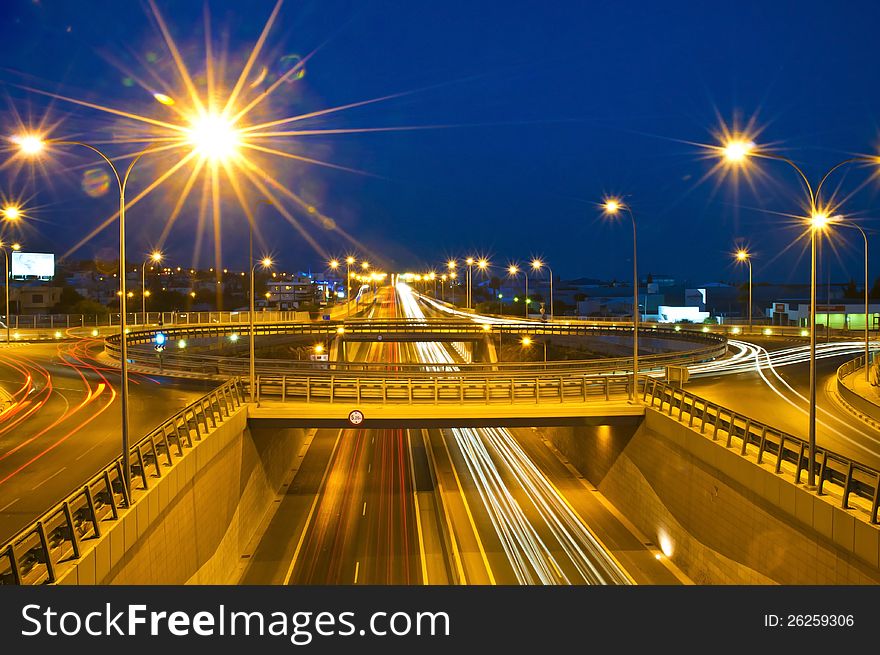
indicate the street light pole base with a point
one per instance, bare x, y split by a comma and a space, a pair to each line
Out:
811, 487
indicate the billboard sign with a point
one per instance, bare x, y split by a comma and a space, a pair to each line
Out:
33, 264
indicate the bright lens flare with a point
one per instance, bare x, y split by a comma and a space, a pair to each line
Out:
267, 262
612, 206
819, 220
742, 255
29, 144
11, 213
213, 137
736, 151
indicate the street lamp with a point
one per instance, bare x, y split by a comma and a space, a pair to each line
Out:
334, 266
527, 343
743, 255
4, 247
156, 257
470, 263
737, 151
483, 265
512, 271
537, 265
443, 279
266, 263
33, 145
348, 263
867, 342
612, 207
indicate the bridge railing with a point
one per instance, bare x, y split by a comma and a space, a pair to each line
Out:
34, 554
856, 485
444, 388
710, 347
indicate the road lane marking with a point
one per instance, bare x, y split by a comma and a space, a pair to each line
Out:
364, 512
456, 555
311, 513
49, 478
415, 493
467, 510
8, 505
88, 450
357, 568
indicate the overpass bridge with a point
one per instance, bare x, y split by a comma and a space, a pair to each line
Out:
560, 393
68, 536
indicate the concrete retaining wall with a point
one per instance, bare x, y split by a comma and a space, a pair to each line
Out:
720, 517
194, 524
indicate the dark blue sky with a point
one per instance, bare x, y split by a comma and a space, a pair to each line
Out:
549, 105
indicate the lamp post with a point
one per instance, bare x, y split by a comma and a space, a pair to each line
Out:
450, 265
613, 206
348, 262
470, 263
11, 214
483, 265
527, 343
33, 145
443, 279
156, 257
867, 342
737, 151
265, 263
743, 255
3, 247
334, 266
513, 271
537, 265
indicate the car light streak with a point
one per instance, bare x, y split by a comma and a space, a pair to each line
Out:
503, 475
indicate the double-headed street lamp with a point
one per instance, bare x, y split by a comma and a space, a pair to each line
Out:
743, 255
154, 257
537, 265
737, 151
612, 207
266, 263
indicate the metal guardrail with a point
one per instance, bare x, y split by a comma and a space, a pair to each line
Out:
714, 346
32, 556
790, 455
444, 388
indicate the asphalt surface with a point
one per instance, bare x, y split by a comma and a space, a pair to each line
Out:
424, 507
66, 426
783, 401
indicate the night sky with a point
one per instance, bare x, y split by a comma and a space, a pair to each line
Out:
540, 108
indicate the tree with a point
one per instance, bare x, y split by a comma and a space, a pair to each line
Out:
495, 284
580, 297
875, 290
850, 290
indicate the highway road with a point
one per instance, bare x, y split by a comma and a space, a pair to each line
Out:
768, 380
65, 425
441, 506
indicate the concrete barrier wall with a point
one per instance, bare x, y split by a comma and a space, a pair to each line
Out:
721, 518
194, 524
855, 392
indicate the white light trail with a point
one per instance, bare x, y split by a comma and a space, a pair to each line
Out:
505, 478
